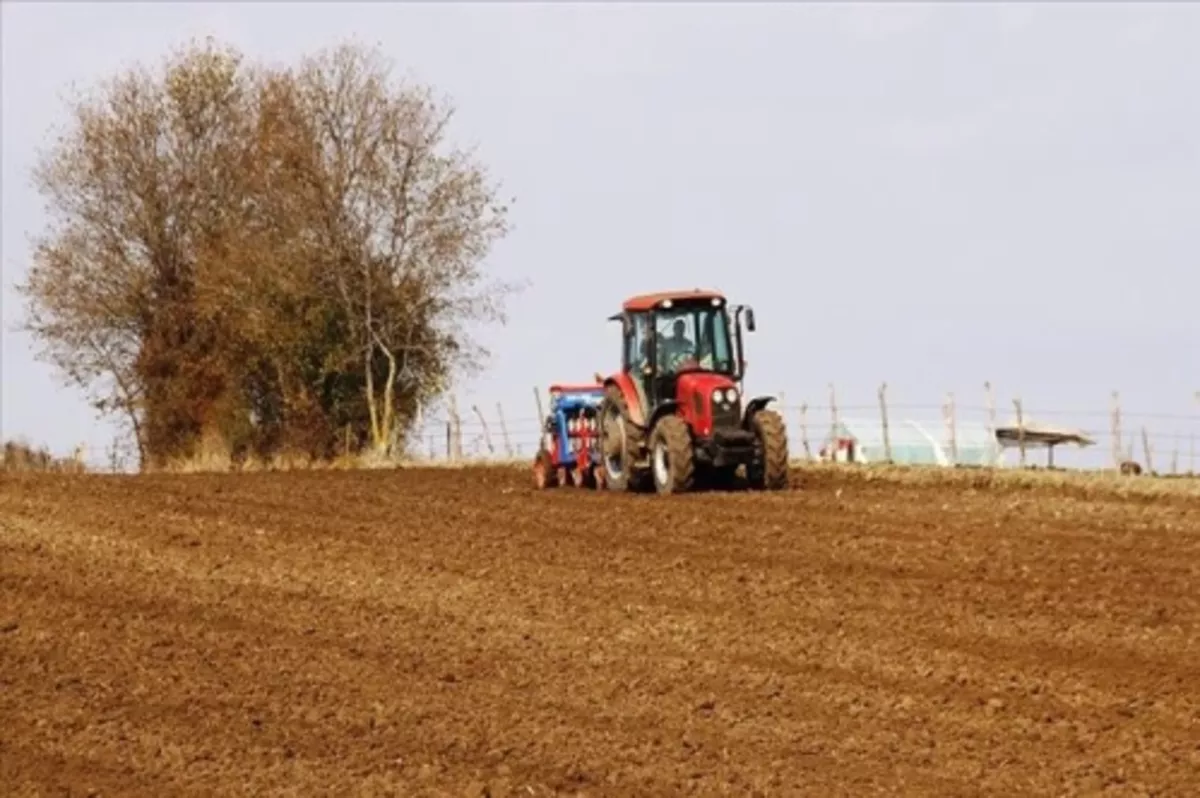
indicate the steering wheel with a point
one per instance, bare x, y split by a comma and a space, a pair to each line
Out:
684, 360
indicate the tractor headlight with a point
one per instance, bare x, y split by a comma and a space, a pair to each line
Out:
731, 395
718, 395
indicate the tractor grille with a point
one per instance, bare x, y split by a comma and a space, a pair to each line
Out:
726, 415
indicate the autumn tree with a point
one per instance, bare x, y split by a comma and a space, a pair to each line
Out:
262, 257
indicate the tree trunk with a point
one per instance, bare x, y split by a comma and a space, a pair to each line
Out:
372, 408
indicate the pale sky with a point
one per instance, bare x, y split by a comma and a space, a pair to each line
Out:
934, 196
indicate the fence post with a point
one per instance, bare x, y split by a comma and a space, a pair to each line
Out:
508, 449
1146, 450
457, 424
1116, 431
537, 397
487, 435
833, 428
1192, 446
804, 431
1020, 429
994, 451
883, 419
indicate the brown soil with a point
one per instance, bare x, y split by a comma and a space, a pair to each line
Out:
455, 633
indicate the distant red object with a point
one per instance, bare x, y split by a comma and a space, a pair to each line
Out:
576, 387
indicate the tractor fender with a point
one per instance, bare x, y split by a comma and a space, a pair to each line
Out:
753, 406
667, 407
624, 384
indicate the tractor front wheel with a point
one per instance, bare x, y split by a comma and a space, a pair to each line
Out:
671, 456
769, 470
618, 442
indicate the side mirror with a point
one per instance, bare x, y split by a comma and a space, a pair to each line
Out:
750, 319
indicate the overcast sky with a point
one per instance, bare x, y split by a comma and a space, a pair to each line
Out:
929, 195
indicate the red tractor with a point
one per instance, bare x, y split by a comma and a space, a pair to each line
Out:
674, 417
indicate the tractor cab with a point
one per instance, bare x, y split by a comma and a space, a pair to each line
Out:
682, 369
669, 335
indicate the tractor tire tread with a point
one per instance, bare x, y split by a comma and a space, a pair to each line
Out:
673, 432
631, 479
769, 427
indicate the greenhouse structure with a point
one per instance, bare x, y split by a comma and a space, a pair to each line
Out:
915, 443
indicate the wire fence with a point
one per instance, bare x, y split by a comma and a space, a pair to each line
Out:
945, 433
1162, 442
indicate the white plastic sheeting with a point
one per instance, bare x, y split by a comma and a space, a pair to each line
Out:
919, 443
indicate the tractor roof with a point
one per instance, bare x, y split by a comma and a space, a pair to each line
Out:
650, 301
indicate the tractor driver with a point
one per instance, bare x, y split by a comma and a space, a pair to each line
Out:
677, 347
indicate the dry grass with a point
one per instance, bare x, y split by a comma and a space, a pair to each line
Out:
20, 455
213, 463
1085, 482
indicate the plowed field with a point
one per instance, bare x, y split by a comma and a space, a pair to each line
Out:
455, 633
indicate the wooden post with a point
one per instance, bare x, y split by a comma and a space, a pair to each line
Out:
833, 424
346, 443
457, 422
952, 428
537, 397
487, 436
883, 420
1146, 450
508, 449
1118, 455
1020, 429
541, 420
1175, 458
991, 411
804, 431
990, 403
1192, 446
449, 441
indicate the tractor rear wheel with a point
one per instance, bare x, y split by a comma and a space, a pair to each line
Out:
672, 456
619, 442
769, 469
